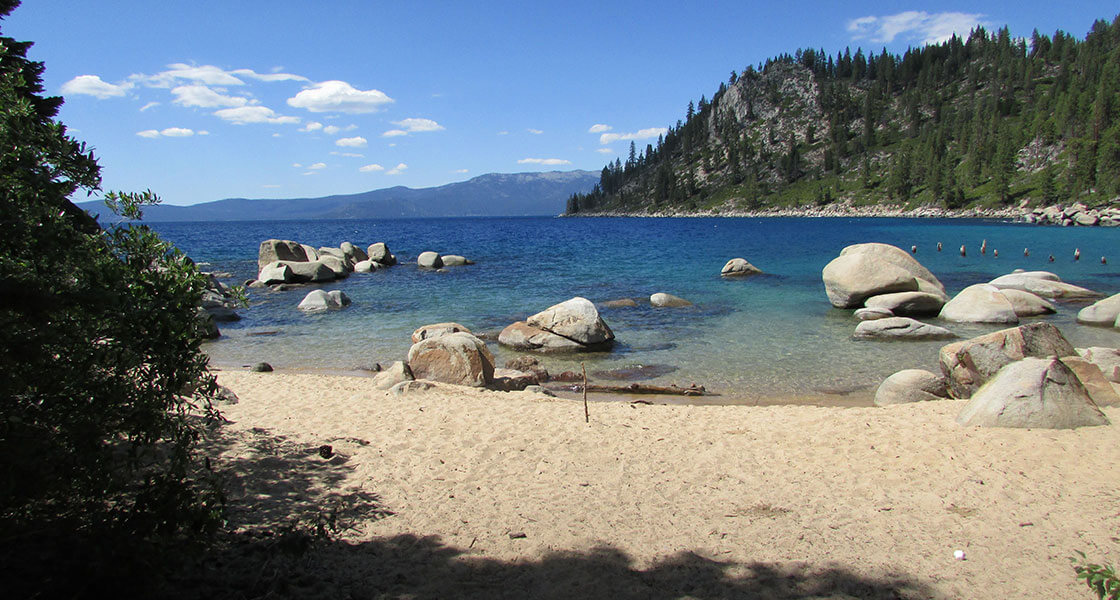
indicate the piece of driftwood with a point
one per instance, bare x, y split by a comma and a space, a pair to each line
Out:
637, 388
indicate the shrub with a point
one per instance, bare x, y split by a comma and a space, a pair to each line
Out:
103, 387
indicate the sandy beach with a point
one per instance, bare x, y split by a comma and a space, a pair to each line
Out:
456, 492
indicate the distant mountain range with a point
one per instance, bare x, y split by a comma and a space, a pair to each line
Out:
491, 195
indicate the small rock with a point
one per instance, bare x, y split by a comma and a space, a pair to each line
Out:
663, 300
901, 328
620, 303
739, 267
871, 314
261, 367
429, 260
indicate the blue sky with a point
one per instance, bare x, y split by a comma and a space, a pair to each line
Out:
212, 99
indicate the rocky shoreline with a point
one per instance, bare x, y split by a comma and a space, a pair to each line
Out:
1073, 215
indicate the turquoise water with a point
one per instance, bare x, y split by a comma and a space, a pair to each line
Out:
759, 339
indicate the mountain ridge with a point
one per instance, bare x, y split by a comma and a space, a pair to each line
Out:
491, 194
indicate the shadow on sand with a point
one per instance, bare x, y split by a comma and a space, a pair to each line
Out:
287, 506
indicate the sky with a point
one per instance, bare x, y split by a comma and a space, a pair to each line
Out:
212, 99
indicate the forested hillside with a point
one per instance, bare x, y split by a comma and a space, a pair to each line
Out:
985, 122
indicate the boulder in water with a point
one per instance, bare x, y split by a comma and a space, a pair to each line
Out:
739, 267
575, 319
1102, 312
280, 250
663, 300
901, 328
980, 303
429, 260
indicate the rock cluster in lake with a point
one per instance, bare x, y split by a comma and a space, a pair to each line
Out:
286, 261
1075, 214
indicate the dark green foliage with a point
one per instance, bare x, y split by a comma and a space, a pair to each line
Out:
959, 123
1101, 579
103, 387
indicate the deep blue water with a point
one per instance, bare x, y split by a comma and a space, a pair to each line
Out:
773, 335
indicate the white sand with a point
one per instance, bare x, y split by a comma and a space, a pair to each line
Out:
883, 493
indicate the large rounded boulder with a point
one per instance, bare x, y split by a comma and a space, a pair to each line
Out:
969, 364
865, 270
458, 358
379, 253
572, 325
1037, 393
980, 303
1102, 312
911, 385
429, 260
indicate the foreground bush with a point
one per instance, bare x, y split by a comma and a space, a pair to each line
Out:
103, 388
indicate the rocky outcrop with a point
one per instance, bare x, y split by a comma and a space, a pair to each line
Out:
572, 325
437, 329
1037, 393
969, 364
1106, 359
1075, 214
458, 358
980, 303
739, 267
1102, 312
663, 300
911, 385
1044, 284
321, 301
279, 250
901, 328
865, 270
380, 254
429, 260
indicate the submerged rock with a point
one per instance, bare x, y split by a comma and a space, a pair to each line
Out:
620, 303
739, 267
1044, 284
454, 260
661, 299
901, 328
635, 372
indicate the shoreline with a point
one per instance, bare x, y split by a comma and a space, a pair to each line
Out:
459, 492
1057, 214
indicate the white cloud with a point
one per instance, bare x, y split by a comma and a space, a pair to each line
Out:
276, 76
371, 168
397, 170
544, 161
204, 97
169, 132
394, 133
348, 154
503, 133
412, 125
461, 171
317, 166
311, 126
311, 173
331, 129
641, 134
534, 131
276, 135
203, 132
599, 128
297, 165
148, 105
352, 142
253, 114
604, 150
914, 26
339, 96
92, 85
205, 74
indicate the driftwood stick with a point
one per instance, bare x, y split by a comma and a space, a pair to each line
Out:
586, 413
638, 388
